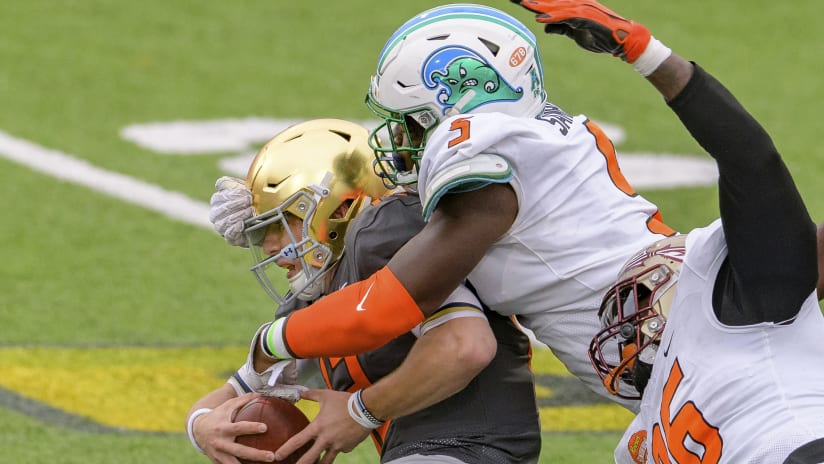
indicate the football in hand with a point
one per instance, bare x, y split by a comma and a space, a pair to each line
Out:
283, 420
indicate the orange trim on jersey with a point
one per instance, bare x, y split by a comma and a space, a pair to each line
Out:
607, 149
358, 318
356, 374
656, 225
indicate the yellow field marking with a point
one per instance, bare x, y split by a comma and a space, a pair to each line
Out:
151, 389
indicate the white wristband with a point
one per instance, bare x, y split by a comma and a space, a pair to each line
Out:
190, 424
360, 414
271, 341
653, 56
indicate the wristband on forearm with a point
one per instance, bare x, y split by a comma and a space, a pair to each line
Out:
359, 413
190, 427
652, 57
271, 341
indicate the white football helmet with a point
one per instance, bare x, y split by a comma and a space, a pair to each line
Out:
633, 314
308, 171
452, 59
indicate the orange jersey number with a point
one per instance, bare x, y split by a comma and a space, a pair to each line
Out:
461, 125
655, 224
670, 437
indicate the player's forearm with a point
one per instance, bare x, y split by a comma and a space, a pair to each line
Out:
213, 399
359, 318
754, 183
671, 76
441, 363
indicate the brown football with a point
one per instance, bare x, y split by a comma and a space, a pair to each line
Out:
283, 420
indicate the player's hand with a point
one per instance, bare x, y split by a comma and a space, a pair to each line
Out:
593, 26
230, 206
266, 375
215, 433
282, 382
333, 430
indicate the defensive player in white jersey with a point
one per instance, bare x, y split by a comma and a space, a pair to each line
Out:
717, 330
518, 194
316, 219
523, 198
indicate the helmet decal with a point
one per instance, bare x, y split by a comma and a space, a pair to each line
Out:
455, 11
673, 252
456, 70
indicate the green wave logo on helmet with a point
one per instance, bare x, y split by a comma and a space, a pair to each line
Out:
457, 72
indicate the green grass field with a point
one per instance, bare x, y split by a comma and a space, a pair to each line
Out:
116, 314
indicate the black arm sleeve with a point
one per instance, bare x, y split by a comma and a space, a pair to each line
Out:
772, 264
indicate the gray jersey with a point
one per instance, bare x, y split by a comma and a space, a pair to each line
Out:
494, 419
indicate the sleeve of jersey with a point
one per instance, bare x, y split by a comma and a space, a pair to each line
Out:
467, 153
461, 303
464, 176
358, 318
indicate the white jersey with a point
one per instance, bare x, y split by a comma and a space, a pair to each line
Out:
578, 222
748, 394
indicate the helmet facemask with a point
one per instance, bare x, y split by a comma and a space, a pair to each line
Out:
312, 257
398, 159
633, 317
307, 184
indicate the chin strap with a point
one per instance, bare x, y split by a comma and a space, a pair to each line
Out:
612, 381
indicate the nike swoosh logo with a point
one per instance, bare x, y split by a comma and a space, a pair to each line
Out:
363, 300
666, 351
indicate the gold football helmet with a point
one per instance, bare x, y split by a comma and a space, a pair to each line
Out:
309, 171
633, 314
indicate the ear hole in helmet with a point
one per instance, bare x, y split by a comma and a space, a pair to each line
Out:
493, 48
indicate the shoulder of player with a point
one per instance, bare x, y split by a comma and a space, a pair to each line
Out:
394, 208
382, 228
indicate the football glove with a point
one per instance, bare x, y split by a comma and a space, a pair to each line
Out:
230, 206
598, 29
279, 379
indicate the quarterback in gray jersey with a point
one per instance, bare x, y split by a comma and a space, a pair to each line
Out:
314, 219
493, 419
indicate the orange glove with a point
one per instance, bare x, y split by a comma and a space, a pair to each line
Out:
593, 26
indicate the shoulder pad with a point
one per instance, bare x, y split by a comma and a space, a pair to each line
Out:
464, 176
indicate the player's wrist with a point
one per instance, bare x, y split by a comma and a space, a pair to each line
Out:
271, 341
190, 425
360, 413
653, 55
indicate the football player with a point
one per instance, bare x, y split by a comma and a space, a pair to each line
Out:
520, 196
717, 329
525, 199
313, 222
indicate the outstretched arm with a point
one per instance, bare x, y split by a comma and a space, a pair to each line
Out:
764, 218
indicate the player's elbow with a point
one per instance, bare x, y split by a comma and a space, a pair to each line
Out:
480, 355
472, 353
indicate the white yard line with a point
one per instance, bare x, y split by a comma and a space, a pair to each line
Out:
66, 167
642, 170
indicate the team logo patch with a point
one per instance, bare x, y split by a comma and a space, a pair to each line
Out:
637, 446
455, 71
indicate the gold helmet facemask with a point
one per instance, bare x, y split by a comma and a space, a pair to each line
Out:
633, 314
307, 172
